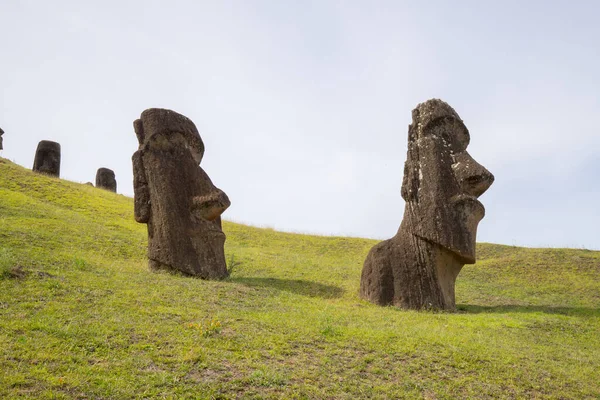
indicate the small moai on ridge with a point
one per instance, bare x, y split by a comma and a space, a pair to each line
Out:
176, 198
47, 158
1, 133
417, 268
105, 179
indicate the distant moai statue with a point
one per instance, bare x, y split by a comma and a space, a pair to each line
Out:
1, 133
176, 198
47, 158
417, 268
105, 179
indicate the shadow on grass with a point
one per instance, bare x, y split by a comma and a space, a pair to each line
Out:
579, 311
298, 286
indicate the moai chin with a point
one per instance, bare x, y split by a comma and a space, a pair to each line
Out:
105, 179
47, 158
417, 268
176, 198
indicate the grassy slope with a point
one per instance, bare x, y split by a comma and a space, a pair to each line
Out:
81, 316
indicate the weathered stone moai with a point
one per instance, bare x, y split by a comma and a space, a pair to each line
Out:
417, 268
47, 158
105, 179
1, 133
176, 198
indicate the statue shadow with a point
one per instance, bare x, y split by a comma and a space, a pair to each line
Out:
506, 309
297, 286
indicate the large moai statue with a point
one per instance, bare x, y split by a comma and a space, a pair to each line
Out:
105, 179
47, 158
176, 198
417, 268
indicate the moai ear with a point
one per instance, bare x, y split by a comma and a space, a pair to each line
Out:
138, 127
141, 192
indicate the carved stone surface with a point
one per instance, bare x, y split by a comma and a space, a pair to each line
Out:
176, 198
47, 158
1, 133
417, 268
105, 179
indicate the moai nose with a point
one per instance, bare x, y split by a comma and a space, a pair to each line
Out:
211, 206
473, 177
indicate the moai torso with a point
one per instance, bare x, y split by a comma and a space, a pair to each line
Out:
176, 198
418, 267
47, 158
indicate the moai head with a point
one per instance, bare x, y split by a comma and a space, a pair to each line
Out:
442, 181
176, 198
47, 158
1, 133
105, 179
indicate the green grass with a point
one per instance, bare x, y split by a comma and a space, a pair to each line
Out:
82, 317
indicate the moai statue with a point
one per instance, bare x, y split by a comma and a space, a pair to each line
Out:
47, 158
105, 179
1, 133
176, 198
417, 268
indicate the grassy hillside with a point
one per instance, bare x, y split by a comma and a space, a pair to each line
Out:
82, 317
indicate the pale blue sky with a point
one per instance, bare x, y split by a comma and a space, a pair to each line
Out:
304, 105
